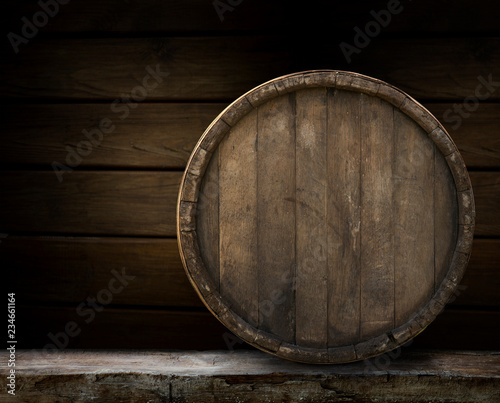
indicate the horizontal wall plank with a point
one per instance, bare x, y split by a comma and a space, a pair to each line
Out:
137, 328
223, 68
73, 269
118, 328
163, 135
476, 135
153, 136
200, 15
481, 281
486, 186
426, 68
89, 202
140, 203
211, 68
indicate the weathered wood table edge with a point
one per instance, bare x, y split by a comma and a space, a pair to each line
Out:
252, 376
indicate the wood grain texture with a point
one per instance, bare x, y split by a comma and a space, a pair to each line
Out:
486, 187
208, 219
343, 216
109, 69
135, 203
210, 376
445, 226
476, 136
276, 230
72, 269
377, 224
92, 202
163, 135
106, 69
238, 218
311, 237
400, 62
413, 204
159, 136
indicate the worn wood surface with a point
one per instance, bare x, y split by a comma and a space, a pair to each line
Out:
275, 158
173, 130
275, 254
344, 217
377, 299
159, 136
95, 202
77, 267
416, 376
226, 67
310, 170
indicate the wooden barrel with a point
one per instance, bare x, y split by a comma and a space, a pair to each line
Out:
325, 217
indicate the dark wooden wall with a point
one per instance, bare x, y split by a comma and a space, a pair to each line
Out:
62, 241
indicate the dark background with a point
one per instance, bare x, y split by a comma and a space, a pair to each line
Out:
61, 240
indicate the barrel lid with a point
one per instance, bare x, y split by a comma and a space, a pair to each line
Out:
325, 217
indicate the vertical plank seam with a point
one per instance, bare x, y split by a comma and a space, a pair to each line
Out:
326, 216
294, 278
218, 218
394, 157
361, 113
434, 214
257, 159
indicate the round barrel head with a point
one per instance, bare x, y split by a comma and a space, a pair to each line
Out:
325, 217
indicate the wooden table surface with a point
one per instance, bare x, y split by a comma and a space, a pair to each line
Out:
252, 376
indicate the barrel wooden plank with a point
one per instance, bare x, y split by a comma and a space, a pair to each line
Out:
413, 196
208, 221
311, 302
238, 218
276, 216
343, 215
445, 222
377, 224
